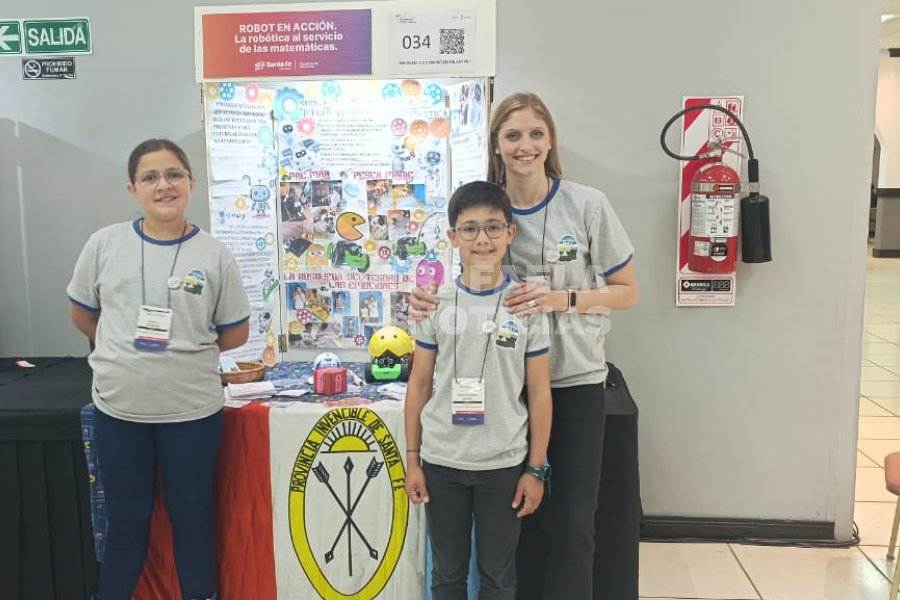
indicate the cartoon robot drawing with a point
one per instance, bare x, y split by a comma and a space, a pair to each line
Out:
402, 154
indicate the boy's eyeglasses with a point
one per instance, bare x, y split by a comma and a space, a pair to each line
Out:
173, 176
492, 230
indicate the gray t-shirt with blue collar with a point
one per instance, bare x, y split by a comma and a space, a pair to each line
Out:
574, 238
180, 383
490, 344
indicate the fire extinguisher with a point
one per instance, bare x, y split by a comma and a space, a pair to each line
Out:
713, 239
715, 189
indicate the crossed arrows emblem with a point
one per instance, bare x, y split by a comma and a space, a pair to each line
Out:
322, 474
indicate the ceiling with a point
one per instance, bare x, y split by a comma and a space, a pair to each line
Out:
890, 31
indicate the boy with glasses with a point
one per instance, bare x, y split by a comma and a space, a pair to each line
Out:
475, 449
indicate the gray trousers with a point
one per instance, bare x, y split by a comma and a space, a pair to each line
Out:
456, 498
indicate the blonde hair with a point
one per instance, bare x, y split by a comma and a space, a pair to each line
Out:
499, 116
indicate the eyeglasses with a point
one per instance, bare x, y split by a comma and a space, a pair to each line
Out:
173, 176
493, 230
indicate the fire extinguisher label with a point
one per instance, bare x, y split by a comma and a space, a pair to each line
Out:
701, 248
713, 216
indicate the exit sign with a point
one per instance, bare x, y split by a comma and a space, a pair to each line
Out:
10, 39
57, 36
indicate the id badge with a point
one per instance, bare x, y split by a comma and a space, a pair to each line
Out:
154, 328
467, 403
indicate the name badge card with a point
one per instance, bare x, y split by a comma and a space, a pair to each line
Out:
154, 328
467, 402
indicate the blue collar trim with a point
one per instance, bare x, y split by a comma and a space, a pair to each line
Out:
540, 205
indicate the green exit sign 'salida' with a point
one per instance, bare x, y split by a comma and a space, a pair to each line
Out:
57, 36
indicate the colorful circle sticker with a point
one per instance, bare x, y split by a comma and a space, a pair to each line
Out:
240, 203
418, 215
270, 238
304, 316
331, 89
251, 92
398, 126
370, 247
440, 127
260, 243
360, 340
435, 92
384, 253
312, 91
442, 245
212, 91
391, 90
295, 327
420, 128
306, 126
291, 264
287, 104
412, 227
265, 98
411, 87
270, 339
226, 91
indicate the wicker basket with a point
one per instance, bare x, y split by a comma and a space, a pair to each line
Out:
249, 371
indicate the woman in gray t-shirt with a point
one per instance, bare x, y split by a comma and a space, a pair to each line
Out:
573, 260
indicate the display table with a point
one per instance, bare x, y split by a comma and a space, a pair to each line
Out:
45, 544
309, 502
269, 452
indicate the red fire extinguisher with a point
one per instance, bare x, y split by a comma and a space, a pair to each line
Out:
716, 202
713, 241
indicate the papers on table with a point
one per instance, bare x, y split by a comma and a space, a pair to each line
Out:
256, 389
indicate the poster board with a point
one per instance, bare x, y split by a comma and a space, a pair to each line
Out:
331, 193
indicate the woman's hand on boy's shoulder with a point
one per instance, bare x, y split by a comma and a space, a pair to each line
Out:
421, 302
528, 496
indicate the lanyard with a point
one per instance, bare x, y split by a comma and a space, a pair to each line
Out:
543, 240
172, 270
488, 335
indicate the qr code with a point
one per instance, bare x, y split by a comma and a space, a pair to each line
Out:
453, 41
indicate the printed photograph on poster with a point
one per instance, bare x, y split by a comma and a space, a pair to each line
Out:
294, 200
378, 229
313, 335
327, 193
340, 304
350, 327
408, 196
370, 307
398, 224
471, 105
378, 196
400, 310
311, 303
323, 222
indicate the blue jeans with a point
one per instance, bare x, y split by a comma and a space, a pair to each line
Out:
128, 455
457, 496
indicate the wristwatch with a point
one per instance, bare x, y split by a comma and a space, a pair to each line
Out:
573, 299
542, 472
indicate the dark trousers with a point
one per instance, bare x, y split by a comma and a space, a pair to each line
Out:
555, 558
456, 496
128, 456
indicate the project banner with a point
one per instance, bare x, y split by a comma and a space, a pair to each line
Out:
286, 43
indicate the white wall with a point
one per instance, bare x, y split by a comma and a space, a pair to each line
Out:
746, 412
887, 119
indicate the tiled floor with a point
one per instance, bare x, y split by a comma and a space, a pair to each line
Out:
739, 572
